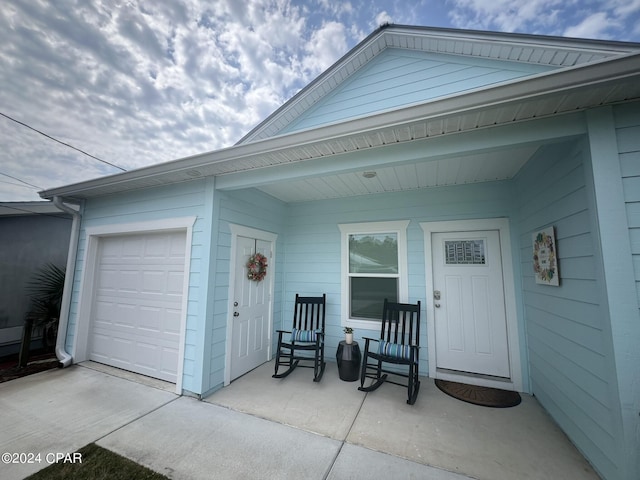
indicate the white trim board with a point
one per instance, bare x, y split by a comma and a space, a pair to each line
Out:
502, 225
87, 282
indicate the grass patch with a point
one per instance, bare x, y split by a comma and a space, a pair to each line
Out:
97, 464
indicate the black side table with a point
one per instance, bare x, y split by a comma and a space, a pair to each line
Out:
348, 357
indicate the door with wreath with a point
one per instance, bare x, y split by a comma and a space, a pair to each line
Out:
250, 323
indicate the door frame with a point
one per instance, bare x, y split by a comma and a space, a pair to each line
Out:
242, 231
513, 338
86, 295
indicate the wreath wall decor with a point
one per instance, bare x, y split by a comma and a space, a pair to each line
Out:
545, 259
257, 267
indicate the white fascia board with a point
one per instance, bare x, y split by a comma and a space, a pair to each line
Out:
606, 71
612, 47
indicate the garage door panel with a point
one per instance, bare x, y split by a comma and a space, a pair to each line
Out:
156, 357
150, 320
149, 281
156, 329
172, 321
107, 280
168, 361
154, 281
109, 347
127, 280
175, 282
131, 248
137, 306
124, 334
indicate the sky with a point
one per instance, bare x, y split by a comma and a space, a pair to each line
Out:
92, 88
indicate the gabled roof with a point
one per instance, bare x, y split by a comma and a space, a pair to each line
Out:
587, 73
555, 52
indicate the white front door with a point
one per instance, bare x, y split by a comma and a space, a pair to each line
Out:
469, 303
250, 335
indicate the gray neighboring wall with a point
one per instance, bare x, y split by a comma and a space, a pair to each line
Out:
32, 234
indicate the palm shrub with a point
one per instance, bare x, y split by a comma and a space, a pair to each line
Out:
45, 291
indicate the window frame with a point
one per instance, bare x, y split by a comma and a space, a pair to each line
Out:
399, 227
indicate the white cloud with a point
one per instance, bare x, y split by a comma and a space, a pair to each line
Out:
337, 9
592, 18
595, 25
506, 15
382, 18
143, 82
325, 46
624, 7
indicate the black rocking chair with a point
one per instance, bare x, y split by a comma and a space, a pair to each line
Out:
399, 344
307, 334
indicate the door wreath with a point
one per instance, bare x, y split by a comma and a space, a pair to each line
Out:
257, 267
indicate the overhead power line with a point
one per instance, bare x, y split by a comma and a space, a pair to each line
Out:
15, 184
21, 181
61, 142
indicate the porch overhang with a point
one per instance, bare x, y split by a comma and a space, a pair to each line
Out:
511, 103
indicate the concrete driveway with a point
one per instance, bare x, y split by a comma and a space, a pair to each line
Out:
60, 411
64, 410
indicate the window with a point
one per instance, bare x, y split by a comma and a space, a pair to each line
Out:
374, 265
464, 252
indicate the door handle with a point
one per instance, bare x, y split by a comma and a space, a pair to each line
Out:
437, 305
236, 314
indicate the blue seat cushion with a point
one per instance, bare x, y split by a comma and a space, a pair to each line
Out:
394, 350
304, 335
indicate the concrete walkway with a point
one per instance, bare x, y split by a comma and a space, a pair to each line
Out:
259, 428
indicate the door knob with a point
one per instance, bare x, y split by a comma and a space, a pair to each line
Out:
236, 314
235, 304
437, 305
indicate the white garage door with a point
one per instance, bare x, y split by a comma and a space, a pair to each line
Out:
138, 301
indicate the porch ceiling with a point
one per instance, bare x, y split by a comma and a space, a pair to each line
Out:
474, 168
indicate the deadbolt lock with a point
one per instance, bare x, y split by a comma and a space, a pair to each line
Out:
436, 294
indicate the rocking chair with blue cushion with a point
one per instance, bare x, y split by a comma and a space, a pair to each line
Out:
307, 335
399, 344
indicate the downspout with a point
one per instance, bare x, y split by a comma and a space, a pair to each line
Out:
65, 357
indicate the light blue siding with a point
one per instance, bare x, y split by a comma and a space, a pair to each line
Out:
569, 345
626, 330
312, 243
628, 136
398, 77
179, 200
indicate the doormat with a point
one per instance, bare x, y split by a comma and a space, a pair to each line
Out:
484, 396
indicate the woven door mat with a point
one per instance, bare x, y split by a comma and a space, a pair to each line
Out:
484, 396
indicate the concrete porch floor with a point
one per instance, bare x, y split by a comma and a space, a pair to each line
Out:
521, 442
259, 427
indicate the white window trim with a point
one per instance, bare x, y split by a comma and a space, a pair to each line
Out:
398, 227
